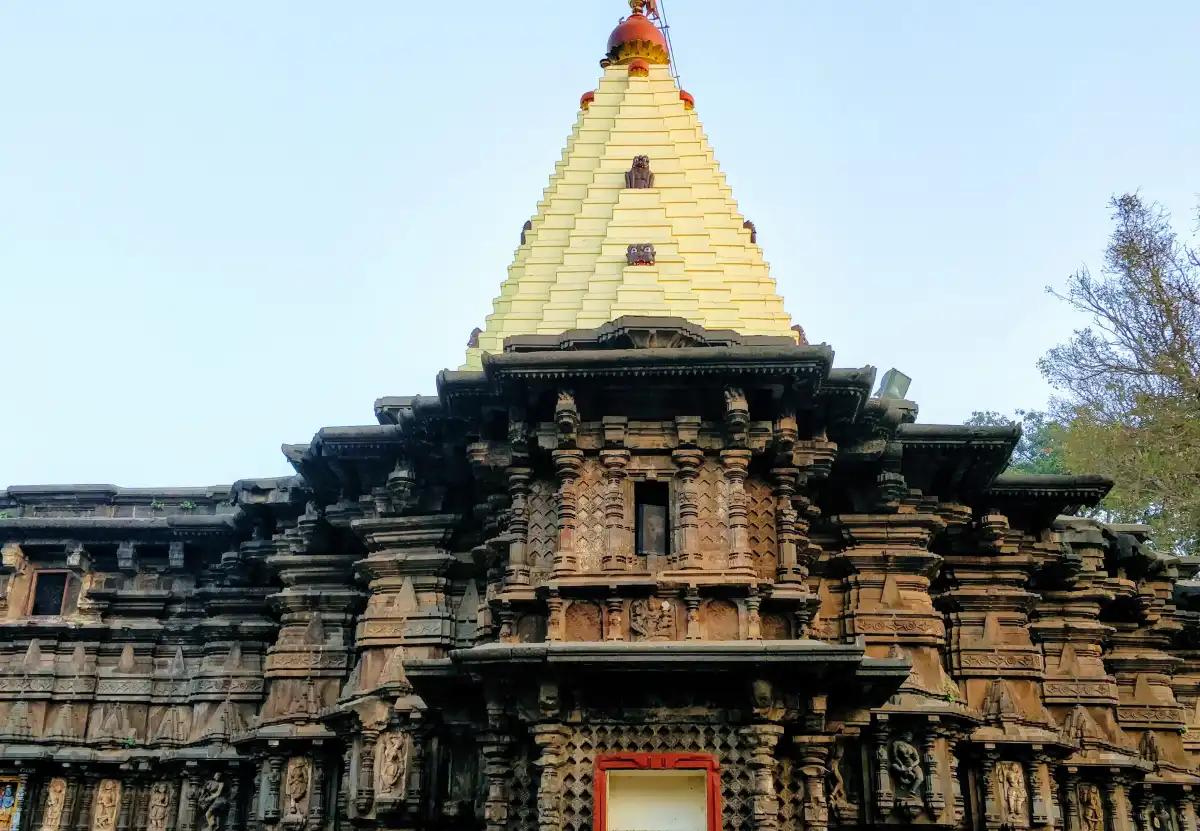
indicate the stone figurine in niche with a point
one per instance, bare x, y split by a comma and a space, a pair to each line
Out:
836, 788
1012, 785
394, 761
639, 176
56, 795
1161, 816
296, 788
906, 765
159, 809
652, 620
8, 805
1091, 809
108, 802
640, 254
214, 803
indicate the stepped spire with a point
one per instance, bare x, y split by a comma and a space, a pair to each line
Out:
637, 219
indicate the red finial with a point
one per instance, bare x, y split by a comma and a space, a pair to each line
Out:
585, 101
637, 37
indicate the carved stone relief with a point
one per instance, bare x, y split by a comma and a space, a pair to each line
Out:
56, 797
906, 765
652, 620
392, 764
1013, 792
295, 788
159, 808
214, 803
639, 176
108, 804
1091, 808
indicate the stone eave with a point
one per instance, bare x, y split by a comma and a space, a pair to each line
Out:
84, 495
38, 530
953, 459
786, 362
1084, 489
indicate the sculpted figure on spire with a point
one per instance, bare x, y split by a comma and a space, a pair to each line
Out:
646, 7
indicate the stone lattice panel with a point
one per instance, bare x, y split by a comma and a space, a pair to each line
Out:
543, 529
590, 492
523, 812
760, 502
790, 789
713, 514
721, 740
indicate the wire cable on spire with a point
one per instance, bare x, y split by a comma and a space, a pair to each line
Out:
660, 8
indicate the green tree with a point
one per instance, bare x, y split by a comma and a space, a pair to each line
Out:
1040, 447
1129, 383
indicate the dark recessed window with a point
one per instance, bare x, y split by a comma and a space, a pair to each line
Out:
652, 518
54, 593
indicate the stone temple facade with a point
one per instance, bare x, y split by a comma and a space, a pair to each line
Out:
647, 561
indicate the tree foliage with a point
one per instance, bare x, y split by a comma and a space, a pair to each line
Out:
1129, 383
1040, 447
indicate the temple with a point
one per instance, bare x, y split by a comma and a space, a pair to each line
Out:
648, 561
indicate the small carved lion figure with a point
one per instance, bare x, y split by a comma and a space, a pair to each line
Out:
639, 177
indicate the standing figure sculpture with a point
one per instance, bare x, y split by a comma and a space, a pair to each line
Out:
108, 802
1091, 809
394, 761
296, 788
1012, 783
56, 796
214, 803
159, 808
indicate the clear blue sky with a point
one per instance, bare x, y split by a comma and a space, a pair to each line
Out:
224, 225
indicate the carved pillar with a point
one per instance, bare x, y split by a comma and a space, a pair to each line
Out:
274, 774
567, 464
551, 741
129, 789
496, 771
960, 806
1039, 801
736, 463
692, 601
316, 800
188, 799
784, 479
344, 796
814, 766
688, 461
83, 817
554, 616
1071, 794
517, 571
141, 807
365, 794
614, 628
617, 553
753, 618
1117, 794
885, 798
935, 799
987, 777
761, 739
254, 808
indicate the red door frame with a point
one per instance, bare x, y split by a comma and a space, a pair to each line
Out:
656, 761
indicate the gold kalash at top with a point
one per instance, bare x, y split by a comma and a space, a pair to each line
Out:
638, 218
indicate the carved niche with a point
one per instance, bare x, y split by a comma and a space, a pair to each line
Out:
582, 621
1091, 808
159, 809
640, 253
392, 763
1013, 794
721, 620
652, 619
108, 805
295, 788
639, 176
56, 797
213, 803
907, 773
